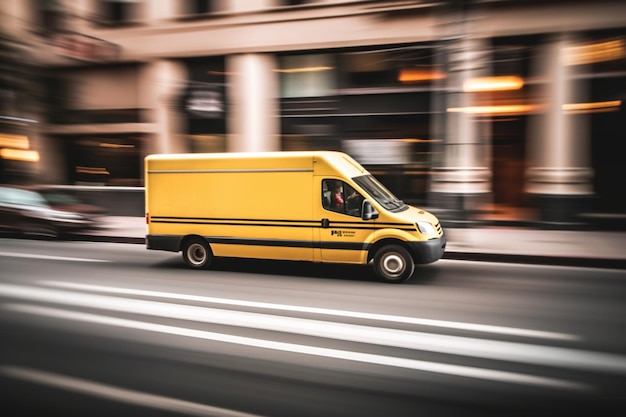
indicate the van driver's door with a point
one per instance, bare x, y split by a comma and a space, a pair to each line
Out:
343, 232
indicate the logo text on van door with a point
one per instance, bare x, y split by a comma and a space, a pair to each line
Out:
342, 233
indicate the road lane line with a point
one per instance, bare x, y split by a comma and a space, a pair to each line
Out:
49, 257
454, 345
110, 392
433, 367
512, 331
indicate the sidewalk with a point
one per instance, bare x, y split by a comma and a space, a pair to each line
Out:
505, 244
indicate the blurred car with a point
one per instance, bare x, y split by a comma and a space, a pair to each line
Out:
66, 201
45, 212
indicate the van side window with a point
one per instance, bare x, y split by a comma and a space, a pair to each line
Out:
326, 191
340, 197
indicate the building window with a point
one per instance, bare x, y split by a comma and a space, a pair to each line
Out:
48, 15
204, 105
118, 12
602, 58
104, 159
296, 2
193, 8
307, 76
399, 66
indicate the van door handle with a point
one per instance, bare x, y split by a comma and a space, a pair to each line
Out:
325, 223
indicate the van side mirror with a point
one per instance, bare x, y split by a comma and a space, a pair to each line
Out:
367, 211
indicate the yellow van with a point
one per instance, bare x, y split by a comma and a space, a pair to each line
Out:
298, 206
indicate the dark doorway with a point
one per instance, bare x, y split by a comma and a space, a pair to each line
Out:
509, 162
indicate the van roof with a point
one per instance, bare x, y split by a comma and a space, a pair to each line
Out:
339, 160
239, 155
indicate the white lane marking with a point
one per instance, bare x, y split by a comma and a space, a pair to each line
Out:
111, 392
48, 257
455, 345
322, 311
434, 367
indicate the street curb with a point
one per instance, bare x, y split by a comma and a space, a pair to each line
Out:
604, 263
107, 239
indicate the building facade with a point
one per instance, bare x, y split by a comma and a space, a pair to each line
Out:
474, 108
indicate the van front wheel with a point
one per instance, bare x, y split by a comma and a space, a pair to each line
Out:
393, 263
197, 253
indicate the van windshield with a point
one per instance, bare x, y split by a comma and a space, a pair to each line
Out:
379, 193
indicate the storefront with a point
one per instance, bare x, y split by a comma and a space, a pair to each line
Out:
374, 103
204, 105
19, 156
98, 125
104, 159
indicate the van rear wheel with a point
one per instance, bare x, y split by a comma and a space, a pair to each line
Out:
393, 263
197, 253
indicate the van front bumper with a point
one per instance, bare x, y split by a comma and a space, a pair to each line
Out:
427, 251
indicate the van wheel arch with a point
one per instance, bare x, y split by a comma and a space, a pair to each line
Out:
197, 252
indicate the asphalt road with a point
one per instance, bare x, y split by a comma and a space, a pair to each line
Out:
104, 329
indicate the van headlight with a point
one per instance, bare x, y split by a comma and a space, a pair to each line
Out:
426, 228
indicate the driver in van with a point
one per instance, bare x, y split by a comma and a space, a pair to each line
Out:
338, 197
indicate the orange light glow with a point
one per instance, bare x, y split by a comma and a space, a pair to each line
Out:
501, 83
416, 140
19, 155
304, 69
511, 109
408, 75
596, 107
92, 170
14, 141
597, 52
115, 145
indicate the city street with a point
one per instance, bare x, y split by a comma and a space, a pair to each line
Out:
111, 329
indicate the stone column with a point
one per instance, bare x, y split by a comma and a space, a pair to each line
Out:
253, 122
162, 83
250, 5
559, 172
461, 182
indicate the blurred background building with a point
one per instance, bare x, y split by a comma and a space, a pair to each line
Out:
509, 110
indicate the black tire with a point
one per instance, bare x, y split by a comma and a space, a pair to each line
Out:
393, 263
197, 253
